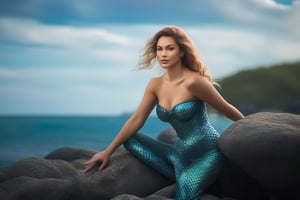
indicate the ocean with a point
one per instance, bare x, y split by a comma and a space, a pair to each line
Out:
36, 136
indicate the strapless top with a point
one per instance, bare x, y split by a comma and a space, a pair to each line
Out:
190, 121
183, 111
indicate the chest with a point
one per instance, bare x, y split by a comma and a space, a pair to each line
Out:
169, 95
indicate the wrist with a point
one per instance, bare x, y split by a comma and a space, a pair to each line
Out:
108, 151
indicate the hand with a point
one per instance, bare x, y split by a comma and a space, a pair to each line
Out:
101, 157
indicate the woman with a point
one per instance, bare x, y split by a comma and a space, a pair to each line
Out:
179, 95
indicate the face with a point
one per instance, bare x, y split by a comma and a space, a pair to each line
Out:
167, 52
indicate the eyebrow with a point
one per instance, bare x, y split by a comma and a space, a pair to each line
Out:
166, 45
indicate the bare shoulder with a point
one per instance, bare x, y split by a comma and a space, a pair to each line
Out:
194, 81
154, 83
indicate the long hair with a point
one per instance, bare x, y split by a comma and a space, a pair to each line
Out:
190, 59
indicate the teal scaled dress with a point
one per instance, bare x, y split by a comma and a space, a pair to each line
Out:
194, 161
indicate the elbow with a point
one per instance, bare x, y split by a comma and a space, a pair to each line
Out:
137, 120
237, 117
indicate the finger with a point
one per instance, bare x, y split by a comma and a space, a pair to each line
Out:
102, 166
87, 169
92, 160
89, 166
89, 162
86, 163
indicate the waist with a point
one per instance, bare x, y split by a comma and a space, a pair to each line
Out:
197, 143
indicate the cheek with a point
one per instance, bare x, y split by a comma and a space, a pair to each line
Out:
175, 56
157, 53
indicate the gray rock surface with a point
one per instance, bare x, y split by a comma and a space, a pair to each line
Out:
267, 147
262, 162
59, 176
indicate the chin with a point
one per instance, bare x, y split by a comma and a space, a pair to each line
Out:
165, 66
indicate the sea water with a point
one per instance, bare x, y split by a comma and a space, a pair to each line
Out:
36, 136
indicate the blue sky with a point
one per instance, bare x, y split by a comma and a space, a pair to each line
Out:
78, 57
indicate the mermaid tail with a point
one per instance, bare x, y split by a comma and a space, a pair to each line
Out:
191, 180
194, 161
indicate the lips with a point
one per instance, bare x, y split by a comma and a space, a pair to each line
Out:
164, 61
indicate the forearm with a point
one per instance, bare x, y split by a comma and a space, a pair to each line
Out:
132, 125
233, 113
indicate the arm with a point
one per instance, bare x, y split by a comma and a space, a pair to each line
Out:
133, 124
136, 121
203, 89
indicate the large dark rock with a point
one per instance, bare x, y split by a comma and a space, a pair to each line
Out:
267, 147
163, 194
262, 152
59, 176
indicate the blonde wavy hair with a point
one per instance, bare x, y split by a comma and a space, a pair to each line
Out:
190, 59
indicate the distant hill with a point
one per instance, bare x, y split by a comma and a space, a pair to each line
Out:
273, 88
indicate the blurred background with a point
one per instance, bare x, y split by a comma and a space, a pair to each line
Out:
70, 58
78, 57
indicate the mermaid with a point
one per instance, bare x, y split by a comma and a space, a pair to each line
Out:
180, 96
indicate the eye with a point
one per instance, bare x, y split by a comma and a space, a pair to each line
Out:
158, 48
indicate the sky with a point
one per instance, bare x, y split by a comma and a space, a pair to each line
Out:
78, 57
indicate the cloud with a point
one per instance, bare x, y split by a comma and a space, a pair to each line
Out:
49, 66
272, 4
227, 50
34, 43
70, 90
111, 11
31, 32
262, 16
85, 88
72, 76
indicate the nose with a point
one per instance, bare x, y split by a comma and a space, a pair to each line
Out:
164, 53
